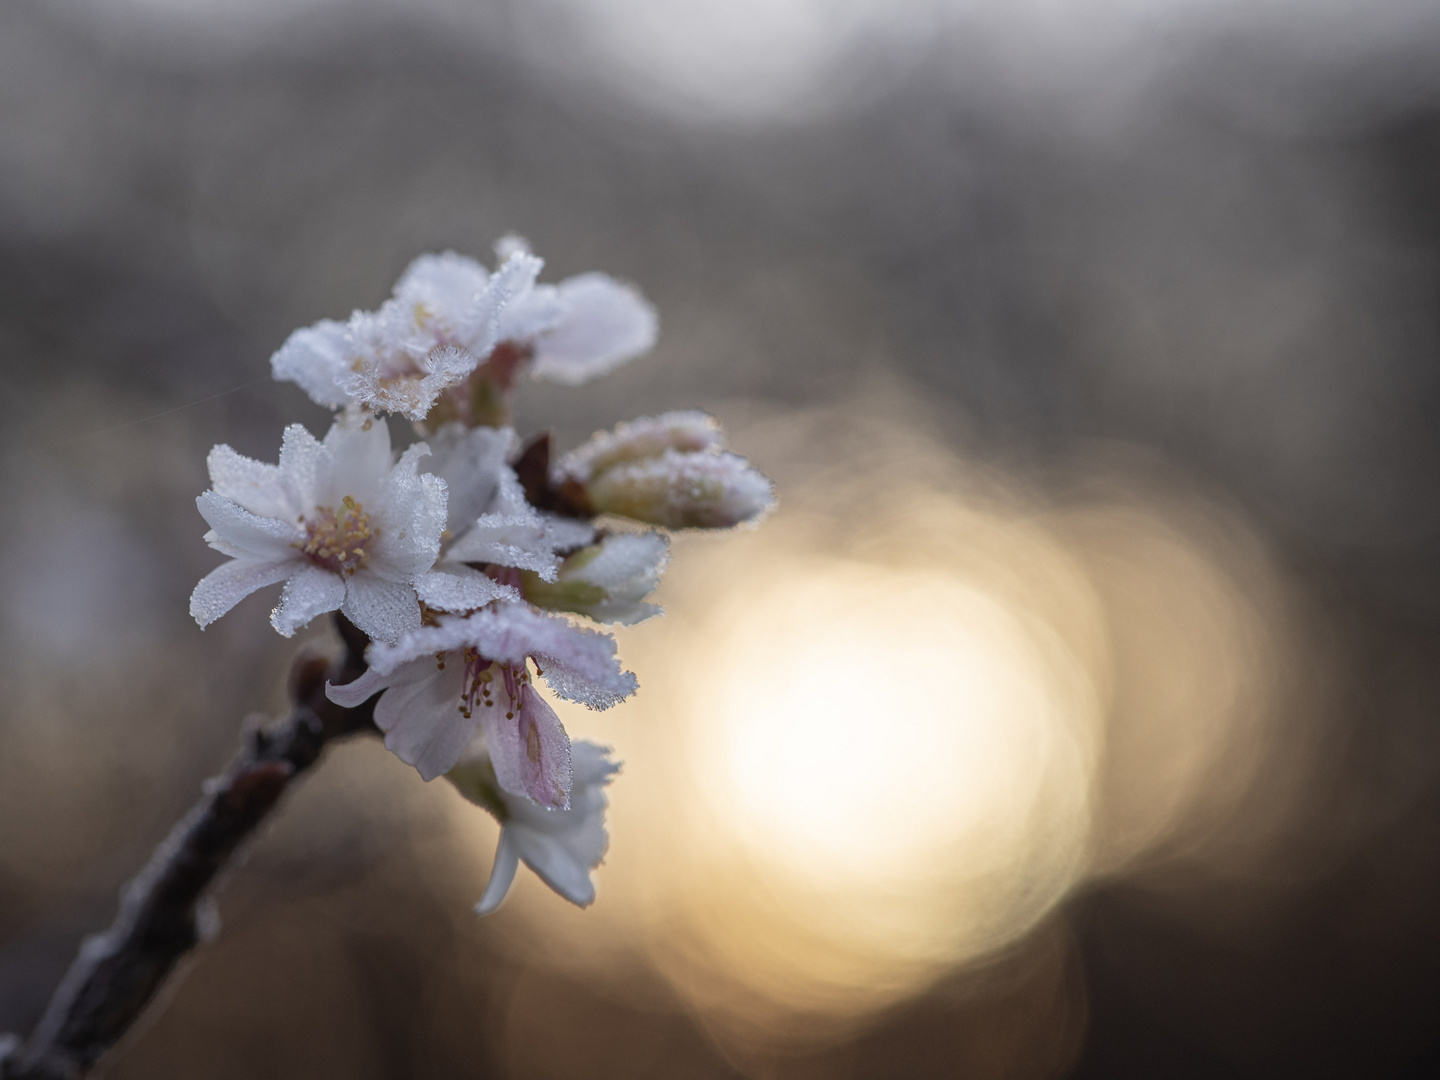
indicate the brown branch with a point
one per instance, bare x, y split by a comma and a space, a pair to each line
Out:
165, 910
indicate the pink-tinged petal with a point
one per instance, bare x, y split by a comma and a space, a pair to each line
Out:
460, 588
315, 358
528, 747
564, 846
383, 610
230, 582
502, 875
358, 691
263, 539
309, 592
596, 685
423, 724
606, 324
410, 680
579, 664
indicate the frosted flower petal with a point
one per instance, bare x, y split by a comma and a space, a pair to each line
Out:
309, 591
230, 582
317, 358
562, 847
606, 324
460, 588
384, 610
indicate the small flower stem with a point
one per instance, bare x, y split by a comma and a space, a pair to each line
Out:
166, 910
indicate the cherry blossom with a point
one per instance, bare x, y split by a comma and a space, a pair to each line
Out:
561, 846
342, 523
443, 684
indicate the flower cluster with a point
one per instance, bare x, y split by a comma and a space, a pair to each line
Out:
454, 555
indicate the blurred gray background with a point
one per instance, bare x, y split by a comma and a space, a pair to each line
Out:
1207, 229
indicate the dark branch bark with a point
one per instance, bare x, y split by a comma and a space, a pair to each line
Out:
165, 910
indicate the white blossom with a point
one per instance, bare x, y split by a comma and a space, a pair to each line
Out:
446, 317
444, 683
561, 846
582, 328
490, 522
441, 322
341, 522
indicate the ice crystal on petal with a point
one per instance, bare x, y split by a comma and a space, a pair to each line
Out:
341, 523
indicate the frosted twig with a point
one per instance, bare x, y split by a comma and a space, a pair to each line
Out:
166, 909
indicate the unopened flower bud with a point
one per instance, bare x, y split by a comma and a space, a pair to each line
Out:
676, 490
647, 437
607, 581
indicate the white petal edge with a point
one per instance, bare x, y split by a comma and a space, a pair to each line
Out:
309, 592
230, 582
502, 874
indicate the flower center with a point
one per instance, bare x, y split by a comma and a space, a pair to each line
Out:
479, 687
337, 541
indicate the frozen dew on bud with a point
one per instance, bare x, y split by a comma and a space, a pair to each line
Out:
669, 470
341, 522
561, 846
684, 491
608, 581
445, 683
686, 431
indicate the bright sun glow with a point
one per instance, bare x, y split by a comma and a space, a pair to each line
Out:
884, 719
898, 759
